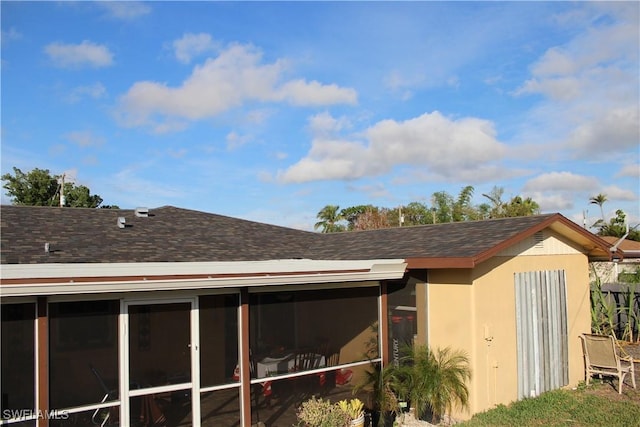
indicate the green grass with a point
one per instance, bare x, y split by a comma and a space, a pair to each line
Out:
564, 408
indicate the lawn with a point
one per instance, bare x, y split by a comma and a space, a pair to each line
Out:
596, 405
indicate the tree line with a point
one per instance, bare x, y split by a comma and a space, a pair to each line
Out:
444, 208
39, 187
447, 208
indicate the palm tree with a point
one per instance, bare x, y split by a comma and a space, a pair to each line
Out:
435, 381
329, 217
599, 200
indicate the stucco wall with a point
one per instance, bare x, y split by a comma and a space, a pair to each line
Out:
474, 310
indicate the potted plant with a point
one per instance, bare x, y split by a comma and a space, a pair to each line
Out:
321, 413
434, 381
381, 386
354, 408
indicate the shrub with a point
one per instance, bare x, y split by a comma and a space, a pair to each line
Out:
321, 413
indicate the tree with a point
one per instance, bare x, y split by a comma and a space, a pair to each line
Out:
443, 204
599, 200
518, 206
80, 197
39, 188
416, 213
617, 227
329, 218
352, 213
497, 205
463, 210
372, 219
36, 188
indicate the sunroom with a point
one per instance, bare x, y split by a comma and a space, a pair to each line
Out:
187, 344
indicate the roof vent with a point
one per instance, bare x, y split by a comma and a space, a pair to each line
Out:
122, 222
538, 238
142, 212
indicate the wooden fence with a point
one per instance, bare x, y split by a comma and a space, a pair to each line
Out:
615, 308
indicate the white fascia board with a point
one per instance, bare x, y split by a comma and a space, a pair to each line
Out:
253, 274
86, 270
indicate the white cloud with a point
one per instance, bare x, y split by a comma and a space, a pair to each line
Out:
325, 124
234, 77
235, 140
442, 145
631, 170
125, 10
10, 35
616, 128
301, 92
590, 87
78, 55
552, 202
561, 181
614, 192
373, 191
94, 91
556, 191
84, 139
191, 45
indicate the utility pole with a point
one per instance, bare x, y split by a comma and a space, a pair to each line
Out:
62, 191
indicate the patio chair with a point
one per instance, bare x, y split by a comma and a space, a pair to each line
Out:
601, 358
101, 416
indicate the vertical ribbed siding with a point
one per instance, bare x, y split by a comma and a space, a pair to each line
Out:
541, 322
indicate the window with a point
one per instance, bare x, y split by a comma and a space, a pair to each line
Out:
18, 361
83, 352
218, 339
340, 325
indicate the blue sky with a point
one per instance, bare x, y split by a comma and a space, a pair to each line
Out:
270, 111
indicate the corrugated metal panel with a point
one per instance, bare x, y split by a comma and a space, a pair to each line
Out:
541, 322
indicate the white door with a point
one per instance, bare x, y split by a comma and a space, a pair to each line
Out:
160, 363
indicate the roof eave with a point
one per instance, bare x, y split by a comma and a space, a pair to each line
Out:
440, 263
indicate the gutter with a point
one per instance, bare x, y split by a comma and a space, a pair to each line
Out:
68, 279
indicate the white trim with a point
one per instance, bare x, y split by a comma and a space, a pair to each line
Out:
193, 385
146, 296
314, 371
340, 271
161, 389
312, 287
195, 361
123, 348
213, 388
49, 271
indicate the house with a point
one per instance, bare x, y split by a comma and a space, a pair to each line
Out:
608, 270
176, 317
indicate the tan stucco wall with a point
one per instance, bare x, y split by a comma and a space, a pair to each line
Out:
474, 310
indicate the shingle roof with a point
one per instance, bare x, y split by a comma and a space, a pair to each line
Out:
170, 234
625, 246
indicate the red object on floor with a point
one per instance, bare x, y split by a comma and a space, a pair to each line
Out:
266, 388
343, 376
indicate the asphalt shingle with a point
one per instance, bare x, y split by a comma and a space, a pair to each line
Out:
171, 234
